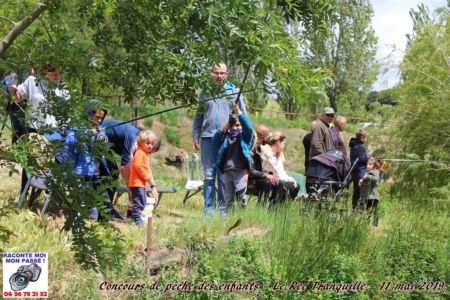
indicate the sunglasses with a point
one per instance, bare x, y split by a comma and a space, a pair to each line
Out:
329, 115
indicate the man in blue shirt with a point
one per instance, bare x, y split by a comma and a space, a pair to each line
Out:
123, 137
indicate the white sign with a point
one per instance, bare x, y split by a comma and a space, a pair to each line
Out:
25, 275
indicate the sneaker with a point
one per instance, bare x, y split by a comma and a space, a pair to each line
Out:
138, 221
116, 216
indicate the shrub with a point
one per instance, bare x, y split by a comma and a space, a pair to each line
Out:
173, 118
173, 136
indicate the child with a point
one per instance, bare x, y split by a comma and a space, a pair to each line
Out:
369, 192
140, 174
234, 158
358, 151
79, 149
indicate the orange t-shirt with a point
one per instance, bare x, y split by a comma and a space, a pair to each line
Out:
140, 168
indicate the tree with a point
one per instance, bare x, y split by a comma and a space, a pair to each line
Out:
151, 51
20, 26
346, 49
424, 105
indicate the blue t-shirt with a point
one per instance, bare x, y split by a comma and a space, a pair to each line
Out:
123, 138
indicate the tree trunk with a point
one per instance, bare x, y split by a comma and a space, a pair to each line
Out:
333, 100
134, 109
85, 88
21, 26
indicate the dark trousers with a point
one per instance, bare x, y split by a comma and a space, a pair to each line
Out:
372, 205
17, 117
277, 193
139, 199
109, 177
17, 134
288, 191
356, 192
97, 184
263, 189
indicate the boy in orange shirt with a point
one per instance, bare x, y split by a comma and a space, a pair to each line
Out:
140, 174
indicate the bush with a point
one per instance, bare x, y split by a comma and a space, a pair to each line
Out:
148, 123
173, 136
173, 118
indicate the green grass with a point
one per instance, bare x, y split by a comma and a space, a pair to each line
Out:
268, 246
173, 136
290, 243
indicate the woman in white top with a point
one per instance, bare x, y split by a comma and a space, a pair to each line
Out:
273, 163
36, 91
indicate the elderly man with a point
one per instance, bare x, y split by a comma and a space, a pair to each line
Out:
321, 139
210, 117
340, 123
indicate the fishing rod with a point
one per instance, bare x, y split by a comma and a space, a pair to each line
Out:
416, 160
177, 107
242, 86
344, 183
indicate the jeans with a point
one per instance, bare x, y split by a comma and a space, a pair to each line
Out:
209, 154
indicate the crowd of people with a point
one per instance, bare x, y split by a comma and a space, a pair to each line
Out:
237, 158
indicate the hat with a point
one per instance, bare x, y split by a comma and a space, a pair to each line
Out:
328, 110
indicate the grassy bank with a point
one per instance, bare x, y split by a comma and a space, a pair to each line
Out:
288, 253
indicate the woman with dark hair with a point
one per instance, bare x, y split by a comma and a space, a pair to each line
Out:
273, 163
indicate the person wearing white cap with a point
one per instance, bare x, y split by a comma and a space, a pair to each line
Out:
321, 139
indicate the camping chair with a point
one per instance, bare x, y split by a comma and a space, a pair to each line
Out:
36, 182
194, 170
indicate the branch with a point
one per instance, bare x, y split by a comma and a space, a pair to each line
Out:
6, 19
46, 30
21, 26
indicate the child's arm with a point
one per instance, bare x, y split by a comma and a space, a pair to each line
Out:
373, 177
153, 187
219, 136
247, 129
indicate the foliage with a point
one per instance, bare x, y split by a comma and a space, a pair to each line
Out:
297, 86
173, 118
96, 246
166, 53
239, 262
423, 107
383, 97
173, 136
346, 51
5, 233
160, 51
